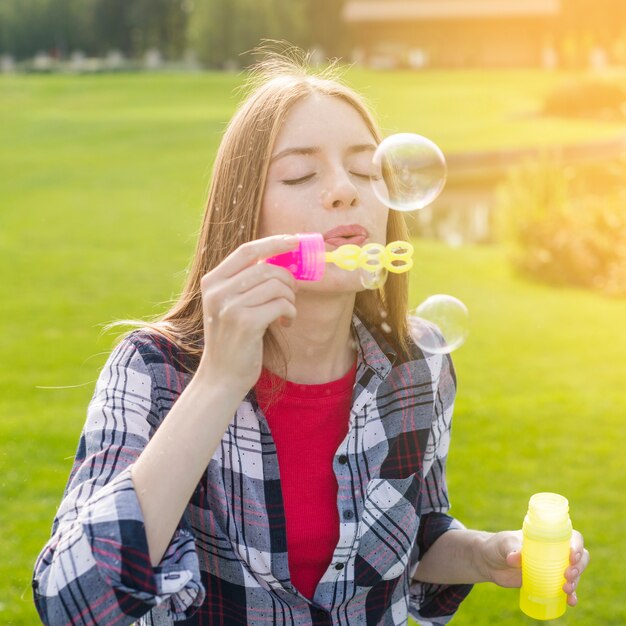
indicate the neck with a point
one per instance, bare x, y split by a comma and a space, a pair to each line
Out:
318, 345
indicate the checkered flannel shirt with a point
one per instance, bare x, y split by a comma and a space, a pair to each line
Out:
227, 561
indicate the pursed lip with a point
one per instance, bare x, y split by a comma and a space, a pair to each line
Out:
346, 234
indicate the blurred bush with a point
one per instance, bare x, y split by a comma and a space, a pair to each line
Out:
587, 98
566, 225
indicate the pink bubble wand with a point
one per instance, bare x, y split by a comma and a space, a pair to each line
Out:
308, 260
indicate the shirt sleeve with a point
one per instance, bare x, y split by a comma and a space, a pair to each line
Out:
430, 604
95, 568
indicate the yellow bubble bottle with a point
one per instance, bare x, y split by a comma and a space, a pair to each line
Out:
547, 531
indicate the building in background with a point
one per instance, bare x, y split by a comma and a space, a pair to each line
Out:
484, 33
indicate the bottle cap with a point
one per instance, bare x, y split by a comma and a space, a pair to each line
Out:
548, 516
307, 261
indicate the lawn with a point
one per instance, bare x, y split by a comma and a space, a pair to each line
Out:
102, 188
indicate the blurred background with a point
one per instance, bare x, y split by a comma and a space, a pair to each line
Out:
111, 112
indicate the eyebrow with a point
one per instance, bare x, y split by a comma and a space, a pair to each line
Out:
308, 150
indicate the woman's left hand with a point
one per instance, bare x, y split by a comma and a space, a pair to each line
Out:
502, 557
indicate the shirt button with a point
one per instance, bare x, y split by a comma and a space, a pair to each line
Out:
343, 459
339, 566
348, 514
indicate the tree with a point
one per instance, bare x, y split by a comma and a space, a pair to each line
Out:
221, 31
93, 26
326, 29
224, 31
133, 26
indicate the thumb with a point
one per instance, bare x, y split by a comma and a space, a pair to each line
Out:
514, 559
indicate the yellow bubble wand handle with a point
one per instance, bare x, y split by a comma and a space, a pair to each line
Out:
396, 257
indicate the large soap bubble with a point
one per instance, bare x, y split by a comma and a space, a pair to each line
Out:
409, 171
440, 324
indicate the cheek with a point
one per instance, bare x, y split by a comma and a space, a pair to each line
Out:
284, 211
381, 222
272, 213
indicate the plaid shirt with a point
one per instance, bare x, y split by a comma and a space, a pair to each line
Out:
227, 561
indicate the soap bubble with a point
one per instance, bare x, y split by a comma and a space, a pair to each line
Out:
373, 280
409, 171
440, 324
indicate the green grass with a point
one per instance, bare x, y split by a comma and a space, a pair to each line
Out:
540, 407
102, 188
476, 109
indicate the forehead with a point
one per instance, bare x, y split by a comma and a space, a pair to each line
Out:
317, 118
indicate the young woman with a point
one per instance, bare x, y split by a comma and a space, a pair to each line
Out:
265, 453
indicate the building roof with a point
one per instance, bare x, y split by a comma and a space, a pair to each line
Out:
400, 10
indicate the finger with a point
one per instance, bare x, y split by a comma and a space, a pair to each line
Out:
269, 312
249, 321
511, 544
252, 252
577, 548
514, 559
259, 273
574, 572
285, 321
239, 310
261, 293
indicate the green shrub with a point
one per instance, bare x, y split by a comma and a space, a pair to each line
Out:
567, 226
587, 98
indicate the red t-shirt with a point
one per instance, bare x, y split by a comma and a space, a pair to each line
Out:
308, 422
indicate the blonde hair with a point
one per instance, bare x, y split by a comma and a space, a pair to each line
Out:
233, 208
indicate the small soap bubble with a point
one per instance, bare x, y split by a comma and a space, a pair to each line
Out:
373, 280
440, 324
386, 327
409, 171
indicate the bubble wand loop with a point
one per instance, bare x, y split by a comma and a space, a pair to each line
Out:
396, 257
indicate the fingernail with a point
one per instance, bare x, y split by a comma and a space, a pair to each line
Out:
574, 572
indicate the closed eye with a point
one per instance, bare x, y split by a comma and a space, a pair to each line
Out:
297, 181
365, 176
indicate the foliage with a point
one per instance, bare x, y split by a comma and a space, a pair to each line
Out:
139, 25
59, 27
28, 27
218, 30
223, 31
568, 225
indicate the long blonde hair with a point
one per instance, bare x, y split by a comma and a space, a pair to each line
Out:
235, 197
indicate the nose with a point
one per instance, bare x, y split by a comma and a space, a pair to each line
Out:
340, 193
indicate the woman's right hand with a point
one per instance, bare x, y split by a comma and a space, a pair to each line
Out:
241, 298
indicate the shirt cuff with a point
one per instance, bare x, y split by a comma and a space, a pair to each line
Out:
431, 604
114, 527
